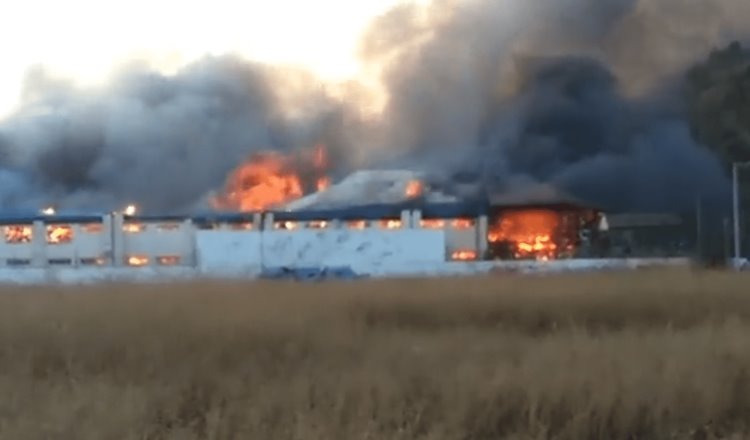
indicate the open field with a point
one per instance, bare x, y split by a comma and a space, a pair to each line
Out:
602, 356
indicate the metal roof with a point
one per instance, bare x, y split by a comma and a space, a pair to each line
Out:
49, 219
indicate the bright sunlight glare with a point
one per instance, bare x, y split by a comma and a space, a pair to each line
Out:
85, 40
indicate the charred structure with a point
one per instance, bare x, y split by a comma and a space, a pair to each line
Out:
540, 223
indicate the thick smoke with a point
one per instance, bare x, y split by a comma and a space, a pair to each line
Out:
581, 93
163, 142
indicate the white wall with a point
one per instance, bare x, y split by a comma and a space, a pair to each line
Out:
155, 240
228, 251
362, 250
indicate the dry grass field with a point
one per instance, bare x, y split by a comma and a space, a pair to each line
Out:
606, 356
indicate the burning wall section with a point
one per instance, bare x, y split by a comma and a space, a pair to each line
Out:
538, 233
539, 223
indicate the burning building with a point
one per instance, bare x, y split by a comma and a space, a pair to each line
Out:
285, 210
540, 223
407, 232
270, 179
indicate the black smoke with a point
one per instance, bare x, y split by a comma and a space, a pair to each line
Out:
576, 130
585, 94
161, 141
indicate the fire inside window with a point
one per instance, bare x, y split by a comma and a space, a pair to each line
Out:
317, 224
459, 223
92, 228
168, 227
356, 224
18, 234
137, 260
432, 223
390, 224
464, 255
168, 260
59, 234
463, 223
133, 227
245, 226
96, 261
289, 226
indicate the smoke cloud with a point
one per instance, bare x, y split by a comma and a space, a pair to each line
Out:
581, 93
163, 142
585, 94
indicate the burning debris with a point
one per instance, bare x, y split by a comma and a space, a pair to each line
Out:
529, 234
271, 179
538, 222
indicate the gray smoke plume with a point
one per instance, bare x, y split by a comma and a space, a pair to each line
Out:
581, 93
163, 142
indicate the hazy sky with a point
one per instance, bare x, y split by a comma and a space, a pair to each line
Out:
86, 39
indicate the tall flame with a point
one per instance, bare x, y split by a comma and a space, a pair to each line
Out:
271, 179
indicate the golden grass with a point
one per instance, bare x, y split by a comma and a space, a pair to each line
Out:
605, 356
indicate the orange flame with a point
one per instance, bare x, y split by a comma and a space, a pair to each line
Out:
323, 183
390, 224
463, 223
414, 189
18, 234
432, 223
459, 223
530, 233
58, 234
271, 179
357, 224
464, 255
137, 260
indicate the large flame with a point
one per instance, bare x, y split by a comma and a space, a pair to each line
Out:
528, 233
271, 179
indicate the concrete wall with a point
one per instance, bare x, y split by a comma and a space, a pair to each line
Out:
15, 253
229, 251
362, 250
154, 243
90, 245
245, 249
57, 244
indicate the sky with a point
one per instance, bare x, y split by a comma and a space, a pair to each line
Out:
85, 40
